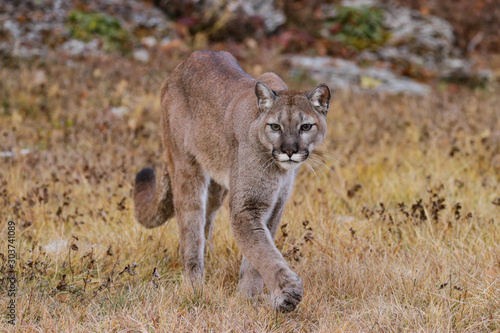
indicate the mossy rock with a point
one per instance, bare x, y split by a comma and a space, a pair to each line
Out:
360, 28
86, 26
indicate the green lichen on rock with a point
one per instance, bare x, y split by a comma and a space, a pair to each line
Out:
361, 28
86, 26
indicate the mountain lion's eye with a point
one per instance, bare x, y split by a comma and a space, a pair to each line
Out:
306, 127
275, 127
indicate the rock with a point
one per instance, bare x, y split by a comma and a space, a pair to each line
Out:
141, 55
39, 77
359, 3
165, 41
119, 111
148, 17
12, 27
344, 74
236, 19
31, 28
460, 70
428, 38
149, 41
266, 9
27, 52
35, 25
22, 152
76, 47
424, 43
455, 68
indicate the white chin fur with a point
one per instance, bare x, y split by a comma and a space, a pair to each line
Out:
288, 165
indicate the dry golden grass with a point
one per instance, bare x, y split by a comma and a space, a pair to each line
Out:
404, 235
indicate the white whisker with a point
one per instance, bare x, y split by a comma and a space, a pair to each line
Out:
322, 161
320, 169
325, 157
331, 157
328, 167
257, 157
270, 164
308, 163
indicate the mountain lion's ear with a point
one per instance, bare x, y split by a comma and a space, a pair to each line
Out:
265, 96
320, 98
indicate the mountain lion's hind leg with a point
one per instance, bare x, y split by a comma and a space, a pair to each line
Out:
190, 185
216, 196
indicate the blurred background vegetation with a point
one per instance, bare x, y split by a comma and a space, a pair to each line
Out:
424, 40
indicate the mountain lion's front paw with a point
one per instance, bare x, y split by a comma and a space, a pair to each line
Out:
193, 273
289, 295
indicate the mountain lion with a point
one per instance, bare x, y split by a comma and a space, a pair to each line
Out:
227, 132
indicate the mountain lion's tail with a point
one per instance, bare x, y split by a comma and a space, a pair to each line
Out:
153, 204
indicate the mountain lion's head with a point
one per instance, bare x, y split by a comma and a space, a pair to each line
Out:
292, 123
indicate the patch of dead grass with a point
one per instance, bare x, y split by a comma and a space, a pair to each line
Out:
402, 234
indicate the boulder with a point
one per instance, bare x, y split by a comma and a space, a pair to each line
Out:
344, 74
232, 19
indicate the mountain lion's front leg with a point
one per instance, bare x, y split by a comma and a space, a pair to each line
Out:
249, 214
251, 283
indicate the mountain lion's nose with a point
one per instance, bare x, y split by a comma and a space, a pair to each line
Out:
289, 147
290, 152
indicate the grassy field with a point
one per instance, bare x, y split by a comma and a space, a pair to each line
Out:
396, 229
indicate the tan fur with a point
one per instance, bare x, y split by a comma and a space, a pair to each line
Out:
226, 132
